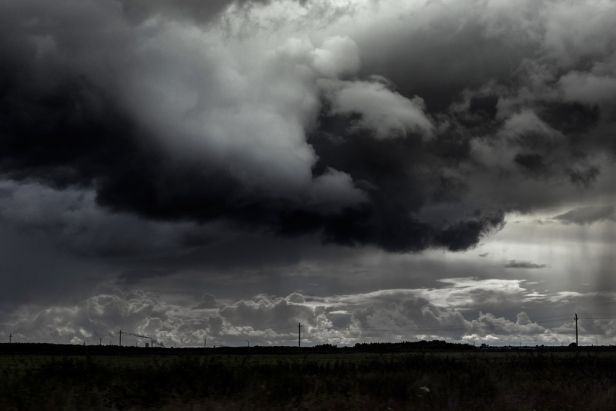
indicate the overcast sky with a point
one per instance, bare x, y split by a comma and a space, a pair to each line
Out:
378, 170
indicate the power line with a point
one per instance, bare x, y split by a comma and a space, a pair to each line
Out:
536, 320
598, 318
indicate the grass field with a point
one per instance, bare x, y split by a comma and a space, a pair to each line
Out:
480, 380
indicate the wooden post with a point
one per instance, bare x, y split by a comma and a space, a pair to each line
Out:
576, 329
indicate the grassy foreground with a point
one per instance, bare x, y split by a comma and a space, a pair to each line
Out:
355, 381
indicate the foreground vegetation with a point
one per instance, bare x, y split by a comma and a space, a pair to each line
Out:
481, 380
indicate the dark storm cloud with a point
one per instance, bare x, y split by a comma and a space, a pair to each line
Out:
186, 123
61, 126
414, 57
508, 75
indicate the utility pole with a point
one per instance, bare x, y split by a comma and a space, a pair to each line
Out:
575, 317
100, 340
299, 335
204, 342
120, 343
10, 338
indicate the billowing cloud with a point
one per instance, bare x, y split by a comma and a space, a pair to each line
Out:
202, 124
387, 315
189, 123
384, 112
589, 88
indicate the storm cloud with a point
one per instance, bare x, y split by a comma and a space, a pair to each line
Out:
157, 139
192, 121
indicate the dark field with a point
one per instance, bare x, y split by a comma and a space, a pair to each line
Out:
138, 379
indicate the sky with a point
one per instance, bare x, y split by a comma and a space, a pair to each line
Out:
376, 170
